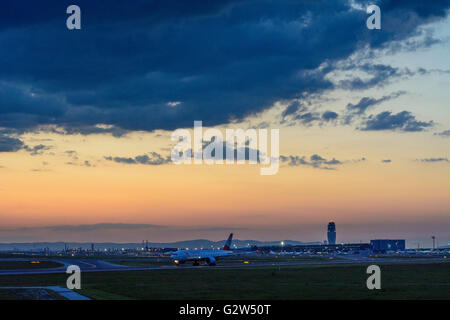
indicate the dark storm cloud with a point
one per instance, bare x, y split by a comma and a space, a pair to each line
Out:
24, 99
10, 144
222, 60
86, 130
13, 144
402, 121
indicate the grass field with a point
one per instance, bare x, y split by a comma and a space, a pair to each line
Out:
398, 281
166, 261
29, 294
21, 265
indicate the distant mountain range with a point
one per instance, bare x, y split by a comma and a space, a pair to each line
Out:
191, 244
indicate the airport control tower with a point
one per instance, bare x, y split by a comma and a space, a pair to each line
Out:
331, 233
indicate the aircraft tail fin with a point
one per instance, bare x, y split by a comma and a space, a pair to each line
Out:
227, 245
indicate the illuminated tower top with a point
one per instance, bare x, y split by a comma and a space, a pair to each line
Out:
331, 226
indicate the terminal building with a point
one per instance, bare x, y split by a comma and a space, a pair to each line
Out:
322, 248
376, 246
384, 245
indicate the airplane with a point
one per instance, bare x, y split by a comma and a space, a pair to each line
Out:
210, 256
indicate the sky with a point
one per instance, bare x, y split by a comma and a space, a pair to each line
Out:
86, 118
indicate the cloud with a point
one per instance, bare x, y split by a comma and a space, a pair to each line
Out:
128, 64
228, 148
315, 161
72, 153
40, 170
434, 160
358, 110
37, 150
307, 118
293, 108
386, 161
89, 227
445, 133
329, 116
152, 158
300, 113
402, 121
367, 102
261, 125
380, 75
10, 144
94, 129
119, 226
13, 144
103, 226
85, 163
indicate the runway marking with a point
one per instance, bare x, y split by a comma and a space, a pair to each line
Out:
89, 264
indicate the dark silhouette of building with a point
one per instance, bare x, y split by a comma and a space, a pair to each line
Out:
383, 245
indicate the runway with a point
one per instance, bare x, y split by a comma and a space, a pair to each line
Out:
96, 265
